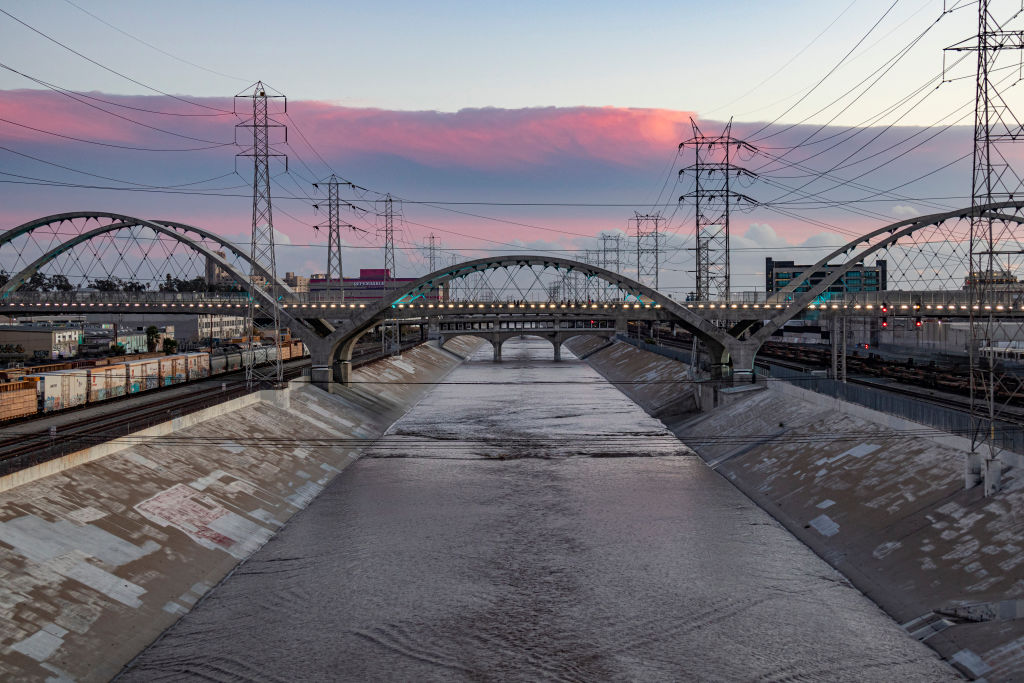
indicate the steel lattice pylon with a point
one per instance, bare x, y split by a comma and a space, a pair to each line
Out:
334, 265
996, 246
432, 261
262, 252
390, 332
713, 199
648, 247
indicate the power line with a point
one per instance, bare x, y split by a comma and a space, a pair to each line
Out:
74, 97
154, 47
114, 145
107, 68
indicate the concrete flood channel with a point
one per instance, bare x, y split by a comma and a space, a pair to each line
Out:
523, 521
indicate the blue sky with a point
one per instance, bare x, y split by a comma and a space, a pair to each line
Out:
532, 103
691, 56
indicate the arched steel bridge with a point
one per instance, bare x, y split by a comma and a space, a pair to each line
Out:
330, 329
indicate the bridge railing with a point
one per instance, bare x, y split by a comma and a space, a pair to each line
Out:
896, 302
80, 296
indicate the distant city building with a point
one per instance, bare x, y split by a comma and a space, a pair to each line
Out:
860, 278
998, 279
369, 286
219, 327
298, 283
215, 275
28, 342
186, 328
98, 341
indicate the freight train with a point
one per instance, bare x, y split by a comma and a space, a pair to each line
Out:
59, 386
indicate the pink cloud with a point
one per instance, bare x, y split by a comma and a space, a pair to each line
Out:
496, 138
478, 138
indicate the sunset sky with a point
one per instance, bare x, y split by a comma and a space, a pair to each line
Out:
517, 127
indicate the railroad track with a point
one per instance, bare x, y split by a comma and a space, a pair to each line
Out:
1009, 414
27, 449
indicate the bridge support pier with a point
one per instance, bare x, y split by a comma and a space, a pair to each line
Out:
742, 356
322, 376
558, 350
496, 343
993, 475
973, 466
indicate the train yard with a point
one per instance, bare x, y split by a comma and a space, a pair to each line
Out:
40, 436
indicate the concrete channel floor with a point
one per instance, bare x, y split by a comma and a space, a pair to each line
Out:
97, 560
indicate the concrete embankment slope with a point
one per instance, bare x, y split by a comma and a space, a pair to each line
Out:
98, 559
879, 498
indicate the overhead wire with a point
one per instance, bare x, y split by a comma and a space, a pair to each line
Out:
154, 47
107, 68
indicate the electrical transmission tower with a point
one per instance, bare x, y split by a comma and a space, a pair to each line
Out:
591, 286
610, 259
432, 252
713, 196
453, 259
388, 215
390, 331
262, 252
647, 228
335, 272
610, 254
996, 244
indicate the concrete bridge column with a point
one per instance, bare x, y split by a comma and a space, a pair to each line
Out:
973, 465
341, 366
742, 356
496, 343
719, 359
993, 475
322, 374
343, 372
557, 343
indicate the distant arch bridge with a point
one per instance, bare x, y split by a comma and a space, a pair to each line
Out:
331, 328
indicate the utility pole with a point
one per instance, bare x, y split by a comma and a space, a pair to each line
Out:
713, 196
993, 241
647, 227
262, 251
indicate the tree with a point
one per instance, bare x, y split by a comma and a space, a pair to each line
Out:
118, 349
116, 284
37, 283
152, 334
107, 285
60, 283
170, 345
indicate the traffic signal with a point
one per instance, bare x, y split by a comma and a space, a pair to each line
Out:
885, 323
885, 307
917, 322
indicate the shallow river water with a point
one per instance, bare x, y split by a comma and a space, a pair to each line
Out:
526, 521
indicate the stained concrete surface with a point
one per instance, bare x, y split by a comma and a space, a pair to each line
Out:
96, 561
527, 521
884, 505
